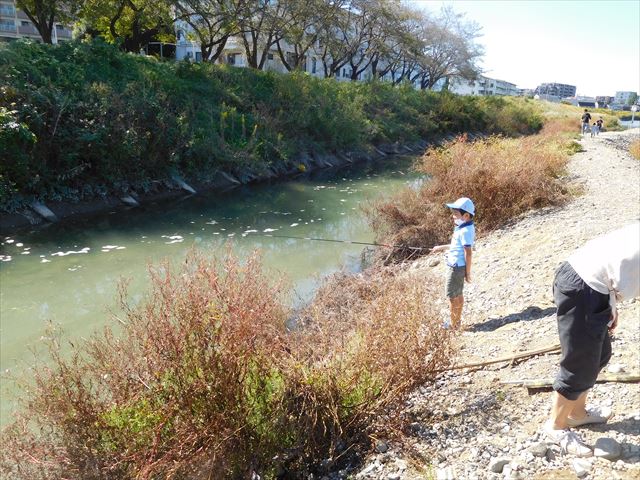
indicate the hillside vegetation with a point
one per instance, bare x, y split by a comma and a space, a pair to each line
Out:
83, 119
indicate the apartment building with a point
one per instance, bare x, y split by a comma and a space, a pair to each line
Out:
483, 86
15, 24
561, 90
604, 100
623, 98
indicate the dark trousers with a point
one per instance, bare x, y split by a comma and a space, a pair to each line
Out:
583, 315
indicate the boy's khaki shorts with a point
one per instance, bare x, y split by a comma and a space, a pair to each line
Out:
455, 281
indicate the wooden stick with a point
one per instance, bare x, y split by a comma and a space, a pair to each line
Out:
543, 382
510, 358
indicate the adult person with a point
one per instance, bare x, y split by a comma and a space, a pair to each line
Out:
586, 289
586, 119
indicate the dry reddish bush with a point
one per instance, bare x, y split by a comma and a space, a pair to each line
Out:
634, 149
504, 178
187, 385
202, 380
386, 339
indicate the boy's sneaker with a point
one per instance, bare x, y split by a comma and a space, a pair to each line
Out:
594, 415
570, 442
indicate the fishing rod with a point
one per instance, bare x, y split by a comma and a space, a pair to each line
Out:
353, 242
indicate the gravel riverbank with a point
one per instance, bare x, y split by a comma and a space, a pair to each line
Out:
470, 426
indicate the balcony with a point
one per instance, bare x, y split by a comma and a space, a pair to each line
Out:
63, 33
27, 30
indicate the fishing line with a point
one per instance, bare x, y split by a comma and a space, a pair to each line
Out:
353, 242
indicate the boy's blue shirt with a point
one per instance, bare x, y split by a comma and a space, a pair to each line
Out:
464, 235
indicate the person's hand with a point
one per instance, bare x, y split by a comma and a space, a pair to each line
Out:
467, 277
613, 323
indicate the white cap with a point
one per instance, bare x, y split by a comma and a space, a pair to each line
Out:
463, 203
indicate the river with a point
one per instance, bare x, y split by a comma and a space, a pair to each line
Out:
67, 273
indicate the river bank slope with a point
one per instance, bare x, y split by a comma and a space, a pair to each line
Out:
468, 425
83, 122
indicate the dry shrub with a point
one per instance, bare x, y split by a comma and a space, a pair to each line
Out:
634, 149
385, 339
504, 177
190, 384
204, 381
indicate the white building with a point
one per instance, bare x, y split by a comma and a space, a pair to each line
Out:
14, 24
623, 98
483, 86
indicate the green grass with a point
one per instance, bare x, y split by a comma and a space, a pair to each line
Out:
83, 119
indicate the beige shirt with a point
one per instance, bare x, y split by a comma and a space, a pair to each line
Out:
610, 264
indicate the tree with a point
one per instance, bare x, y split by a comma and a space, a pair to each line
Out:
43, 14
450, 49
212, 22
301, 28
132, 24
632, 99
259, 24
399, 44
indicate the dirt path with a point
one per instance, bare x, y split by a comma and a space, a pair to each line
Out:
468, 423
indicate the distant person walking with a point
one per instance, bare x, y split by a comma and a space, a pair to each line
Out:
594, 129
599, 122
586, 120
586, 289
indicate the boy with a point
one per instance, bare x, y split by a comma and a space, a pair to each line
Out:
594, 129
459, 255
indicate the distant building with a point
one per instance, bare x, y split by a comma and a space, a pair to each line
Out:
580, 101
604, 100
548, 98
556, 90
624, 98
15, 24
526, 92
483, 86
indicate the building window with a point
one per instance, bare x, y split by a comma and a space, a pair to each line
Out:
7, 10
198, 56
59, 27
270, 56
7, 26
231, 58
25, 23
313, 65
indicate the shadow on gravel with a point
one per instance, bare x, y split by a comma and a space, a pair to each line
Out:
624, 425
528, 314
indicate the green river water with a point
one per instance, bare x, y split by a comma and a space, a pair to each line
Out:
67, 273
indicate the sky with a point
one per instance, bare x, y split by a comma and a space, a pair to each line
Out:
592, 44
